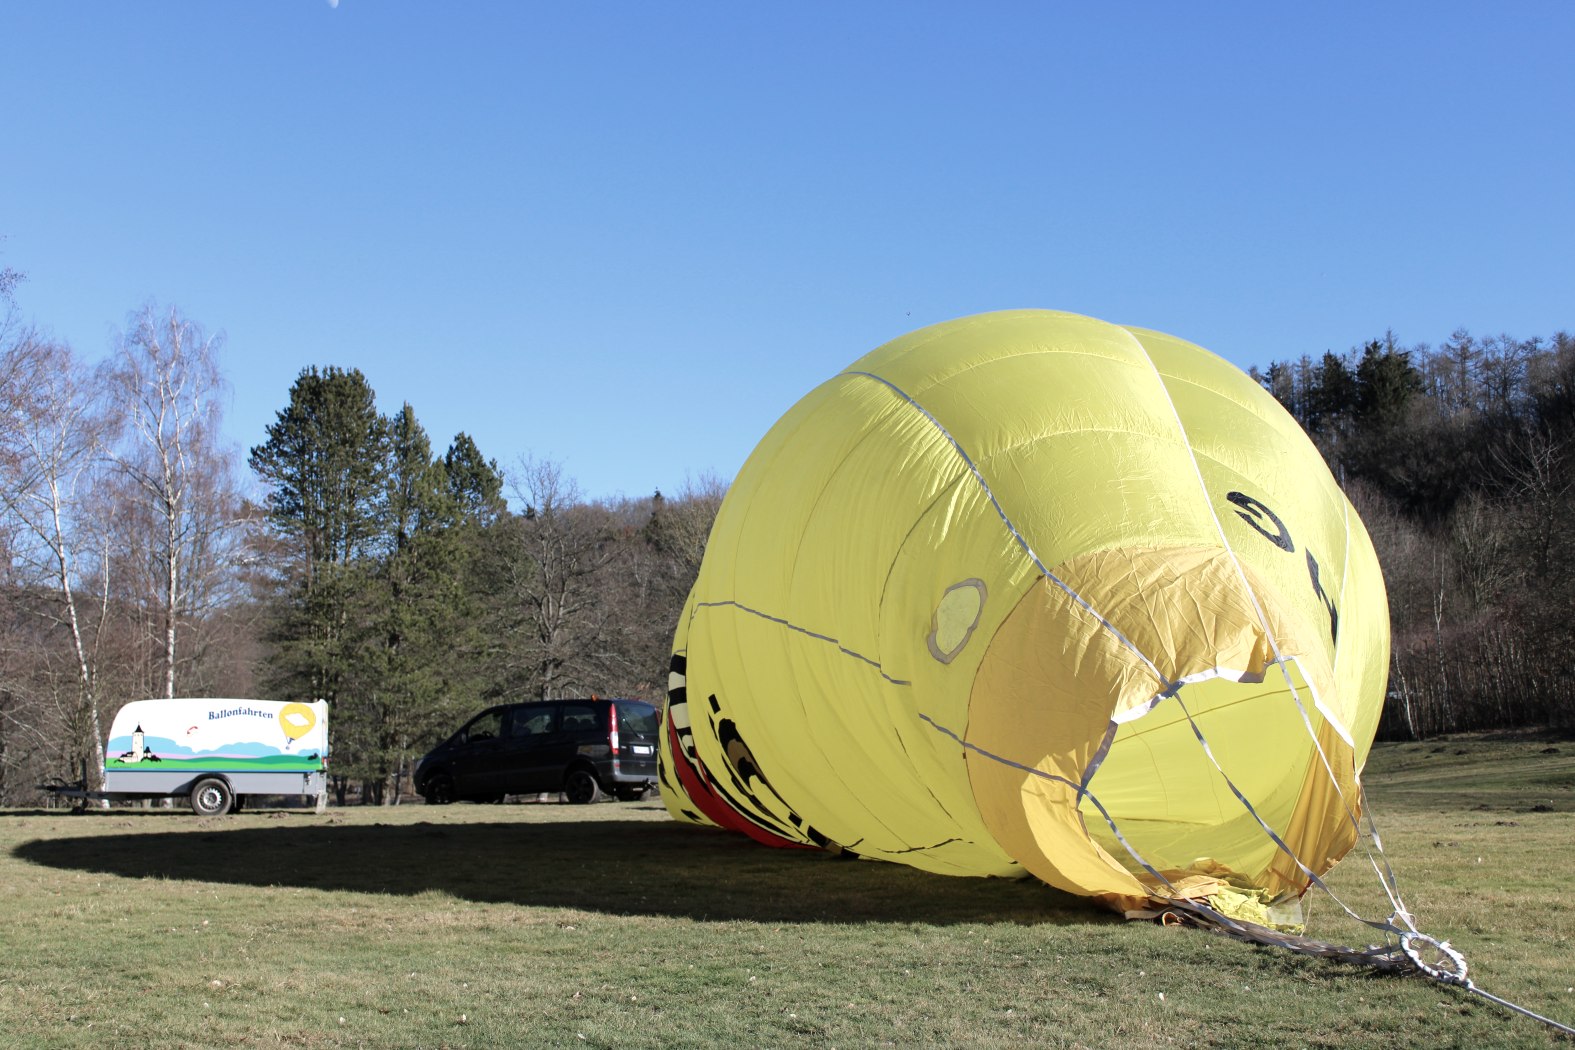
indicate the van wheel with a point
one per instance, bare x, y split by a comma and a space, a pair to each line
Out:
440, 790
211, 797
580, 787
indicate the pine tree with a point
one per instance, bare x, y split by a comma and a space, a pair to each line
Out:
324, 464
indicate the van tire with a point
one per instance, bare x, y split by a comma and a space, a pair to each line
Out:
211, 797
580, 786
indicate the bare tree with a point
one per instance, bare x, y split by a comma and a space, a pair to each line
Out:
553, 560
49, 455
648, 595
165, 380
1536, 463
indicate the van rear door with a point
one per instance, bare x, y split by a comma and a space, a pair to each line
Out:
637, 735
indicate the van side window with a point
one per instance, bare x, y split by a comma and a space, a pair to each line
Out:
488, 727
578, 718
532, 723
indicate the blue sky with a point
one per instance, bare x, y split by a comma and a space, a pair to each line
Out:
626, 237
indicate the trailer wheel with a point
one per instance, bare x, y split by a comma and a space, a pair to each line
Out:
211, 797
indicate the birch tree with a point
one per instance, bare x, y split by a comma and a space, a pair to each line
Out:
49, 450
164, 378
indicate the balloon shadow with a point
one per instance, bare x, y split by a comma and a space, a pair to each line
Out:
616, 867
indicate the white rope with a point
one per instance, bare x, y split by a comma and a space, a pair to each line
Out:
1391, 888
1405, 958
1452, 971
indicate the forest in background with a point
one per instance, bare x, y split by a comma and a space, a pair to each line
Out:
343, 557
1458, 458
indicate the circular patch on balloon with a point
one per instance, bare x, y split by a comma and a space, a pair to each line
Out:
956, 615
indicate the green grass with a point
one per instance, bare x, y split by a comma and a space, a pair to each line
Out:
610, 926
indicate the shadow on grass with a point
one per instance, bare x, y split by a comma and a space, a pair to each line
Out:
618, 867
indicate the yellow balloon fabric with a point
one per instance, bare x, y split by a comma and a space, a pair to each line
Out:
978, 603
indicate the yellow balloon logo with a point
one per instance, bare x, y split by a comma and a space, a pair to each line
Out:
297, 720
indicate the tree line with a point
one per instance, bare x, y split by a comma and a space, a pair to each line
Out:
344, 558
351, 562
1460, 459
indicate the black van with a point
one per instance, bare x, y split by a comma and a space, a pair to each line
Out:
583, 748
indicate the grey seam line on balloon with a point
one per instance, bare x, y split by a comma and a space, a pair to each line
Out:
1312, 876
1391, 890
806, 632
1257, 607
1022, 541
1082, 792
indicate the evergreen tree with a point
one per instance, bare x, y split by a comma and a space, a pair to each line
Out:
1386, 382
474, 483
401, 691
324, 465
1333, 397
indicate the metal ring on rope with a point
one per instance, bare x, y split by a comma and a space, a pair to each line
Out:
1453, 971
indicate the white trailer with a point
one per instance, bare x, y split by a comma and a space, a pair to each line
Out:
213, 752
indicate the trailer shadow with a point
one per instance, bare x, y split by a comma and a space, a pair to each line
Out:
612, 866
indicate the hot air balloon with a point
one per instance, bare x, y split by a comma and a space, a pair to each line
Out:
1031, 593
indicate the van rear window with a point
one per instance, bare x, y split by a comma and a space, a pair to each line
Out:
638, 719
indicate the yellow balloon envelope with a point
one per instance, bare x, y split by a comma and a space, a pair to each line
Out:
1031, 592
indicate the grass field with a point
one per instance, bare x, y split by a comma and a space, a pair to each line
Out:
610, 926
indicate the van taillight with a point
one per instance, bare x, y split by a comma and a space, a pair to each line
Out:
612, 720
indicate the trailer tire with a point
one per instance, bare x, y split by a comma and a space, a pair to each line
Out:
211, 797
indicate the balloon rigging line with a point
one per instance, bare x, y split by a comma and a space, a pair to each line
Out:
1447, 967
1022, 541
807, 633
1274, 835
1390, 886
1081, 789
1409, 938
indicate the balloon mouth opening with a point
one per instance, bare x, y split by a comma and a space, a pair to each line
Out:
1297, 687
1188, 781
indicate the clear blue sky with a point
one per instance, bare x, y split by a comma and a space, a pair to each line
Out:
626, 236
